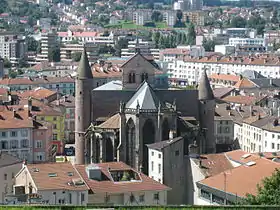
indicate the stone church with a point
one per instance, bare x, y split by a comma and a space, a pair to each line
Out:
116, 125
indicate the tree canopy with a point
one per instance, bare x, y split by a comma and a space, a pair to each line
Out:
268, 193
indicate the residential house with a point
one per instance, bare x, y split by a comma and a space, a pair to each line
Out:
115, 183
51, 183
9, 167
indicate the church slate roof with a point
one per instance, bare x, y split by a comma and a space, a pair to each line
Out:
204, 89
144, 97
84, 69
162, 144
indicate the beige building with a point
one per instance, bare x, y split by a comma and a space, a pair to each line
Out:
115, 183
195, 17
50, 183
9, 167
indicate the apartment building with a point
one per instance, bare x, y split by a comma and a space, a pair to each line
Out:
160, 154
115, 183
86, 37
173, 54
21, 133
49, 41
272, 36
195, 17
12, 46
170, 17
67, 105
9, 167
140, 16
146, 48
247, 41
67, 50
190, 68
50, 184
237, 32
64, 85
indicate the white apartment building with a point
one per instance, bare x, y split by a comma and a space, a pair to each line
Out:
247, 41
191, 68
51, 183
141, 16
170, 17
48, 41
12, 46
86, 36
17, 141
162, 170
68, 49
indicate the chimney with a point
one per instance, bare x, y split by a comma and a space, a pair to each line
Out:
14, 112
24, 163
251, 110
270, 82
29, 104
172, 134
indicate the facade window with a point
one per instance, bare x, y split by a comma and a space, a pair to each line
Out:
142, 198
54, 126
54, 136
205, 195
272, 146
4, 145
273, 136
24, 143
38, 144
5, 176
54, 119
14, 144
278, 146
152, 165
70, 198
159, 180
24, 133
159, 155
4, 134
278, 137
152, 153
13, 134
42, 118
82, 197
159, 168
156, 196
177, 153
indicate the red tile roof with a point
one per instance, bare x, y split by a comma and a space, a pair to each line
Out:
227, 77
243, 179
35, 81
44, 182
38, 93
111, 187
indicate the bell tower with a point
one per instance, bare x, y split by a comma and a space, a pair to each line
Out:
83, 86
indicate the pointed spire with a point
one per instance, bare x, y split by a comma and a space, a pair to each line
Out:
137, 46
204, 89
84, 70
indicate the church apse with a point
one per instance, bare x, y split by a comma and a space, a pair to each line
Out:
148, 133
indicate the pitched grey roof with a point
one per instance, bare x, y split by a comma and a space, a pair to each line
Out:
204, 89
6, 160
266, 82
84, 70
144, 97
113, 85
162, 144
252, 74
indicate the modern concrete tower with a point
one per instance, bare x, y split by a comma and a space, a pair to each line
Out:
82, 106
206, 115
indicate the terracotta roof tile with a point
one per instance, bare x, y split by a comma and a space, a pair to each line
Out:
44, 182
245, 83
227, 77
241, 156
213, 164
38, 93
240, 99
111, 187
243, 179
35, 81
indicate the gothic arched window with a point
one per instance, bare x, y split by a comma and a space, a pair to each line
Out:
133, 77
129, 78
142, 77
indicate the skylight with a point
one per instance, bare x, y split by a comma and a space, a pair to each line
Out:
52, 175
70, 173
251, 163
246, 156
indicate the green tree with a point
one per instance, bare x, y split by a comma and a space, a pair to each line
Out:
191, 35
122, 43
155, 38
157, 16
54, 54
209, 45
76, 56
238, 22
7, 63
274, 18
31, 43
268, 192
